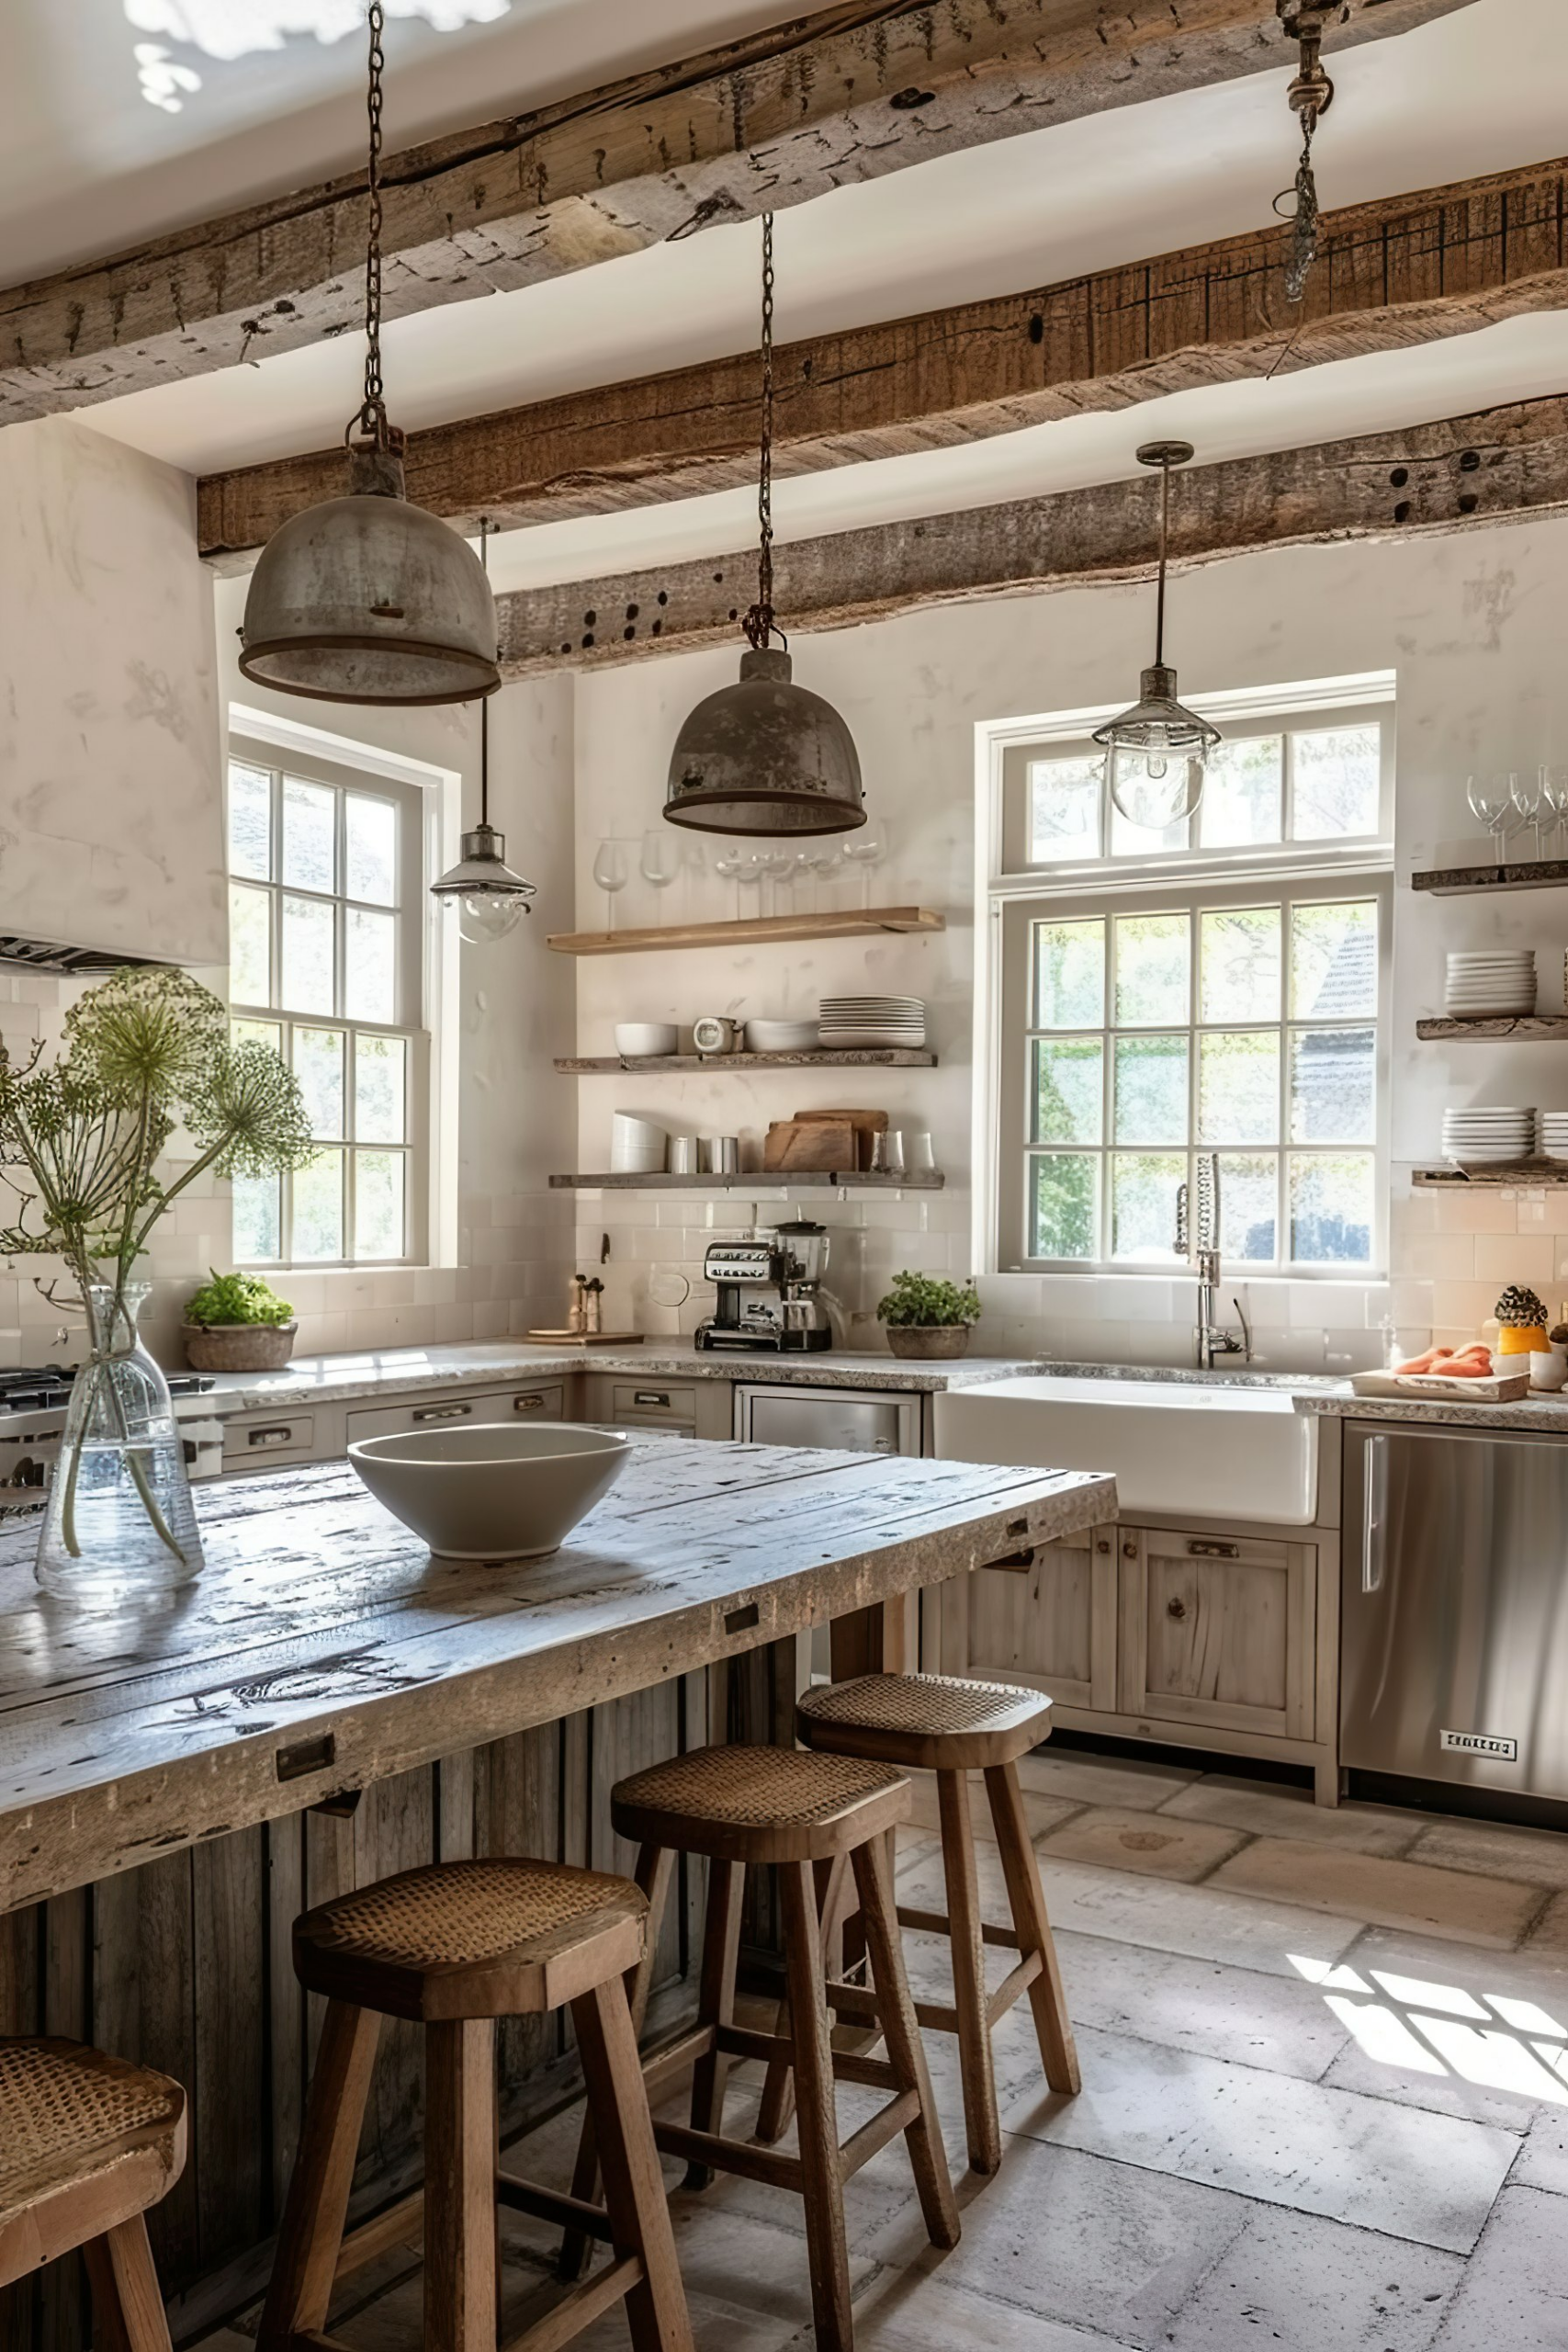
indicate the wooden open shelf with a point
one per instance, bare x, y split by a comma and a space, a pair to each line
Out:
1506, 1024
1516, 1173
846, 922
760, 1180
849, 1057
1463, 881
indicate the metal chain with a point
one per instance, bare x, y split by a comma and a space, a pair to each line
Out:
1303, 223
759, 622
1309, 95
372, 417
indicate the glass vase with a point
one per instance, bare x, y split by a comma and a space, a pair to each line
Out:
119, 1521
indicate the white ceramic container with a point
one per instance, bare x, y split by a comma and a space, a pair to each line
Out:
493, 1493
636, 1039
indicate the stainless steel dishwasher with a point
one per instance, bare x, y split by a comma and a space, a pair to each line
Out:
853, 1420
1454, 1631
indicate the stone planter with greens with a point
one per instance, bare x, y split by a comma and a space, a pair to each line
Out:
238, 1323
925, 1317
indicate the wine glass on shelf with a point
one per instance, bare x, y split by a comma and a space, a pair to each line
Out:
1524, 794
1554, 800
1491, 804
611, 872
816, 862
659, 861
777, 867
866, 849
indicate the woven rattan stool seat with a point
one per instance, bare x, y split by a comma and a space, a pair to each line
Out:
66, 2111
760, 1804
472, 1940
930, 1721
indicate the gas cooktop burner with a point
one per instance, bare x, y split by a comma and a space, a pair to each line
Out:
37, 1388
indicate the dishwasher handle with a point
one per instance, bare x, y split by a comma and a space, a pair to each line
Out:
1374, 1512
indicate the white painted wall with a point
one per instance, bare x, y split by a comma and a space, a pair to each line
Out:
110, 832
1471, 625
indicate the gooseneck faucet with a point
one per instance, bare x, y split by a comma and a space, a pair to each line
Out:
1198, 1243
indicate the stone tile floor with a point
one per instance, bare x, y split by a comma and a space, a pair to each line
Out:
1325, 2105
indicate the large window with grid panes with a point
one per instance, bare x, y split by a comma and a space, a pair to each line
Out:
1219, 989
326, 902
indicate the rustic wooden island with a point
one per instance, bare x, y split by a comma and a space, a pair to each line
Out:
328, 1703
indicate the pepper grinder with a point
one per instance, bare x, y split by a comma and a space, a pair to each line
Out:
576, 1315
593, 1295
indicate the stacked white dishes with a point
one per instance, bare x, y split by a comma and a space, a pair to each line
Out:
1490, 983
1488, 1139
637, 1147
1554, 1135
847, 1021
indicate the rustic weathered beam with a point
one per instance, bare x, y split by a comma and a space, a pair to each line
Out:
1403, 270
860, 90
1502, 463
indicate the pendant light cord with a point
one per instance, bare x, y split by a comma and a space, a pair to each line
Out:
486, 527
372, 417
758, 624
1160, 591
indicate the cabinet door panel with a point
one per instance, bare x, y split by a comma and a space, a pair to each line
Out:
1218, 1631
1052, 1624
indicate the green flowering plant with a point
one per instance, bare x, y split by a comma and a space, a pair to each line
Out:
229, 1299
926, 1300
83, 1139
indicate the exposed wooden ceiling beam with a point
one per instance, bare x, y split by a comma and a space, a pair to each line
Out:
1405, 270
859, 90
1499, 465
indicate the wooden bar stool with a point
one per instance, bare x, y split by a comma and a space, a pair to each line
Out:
743, 1807
936, 1724
453, 1948
87, 2144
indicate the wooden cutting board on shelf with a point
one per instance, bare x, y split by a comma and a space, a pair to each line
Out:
810, 1146
865, 1126
587, 1339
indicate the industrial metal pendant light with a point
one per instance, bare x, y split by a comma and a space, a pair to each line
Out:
1156, 754
1309, 95
765, 756
367, 598
481, 890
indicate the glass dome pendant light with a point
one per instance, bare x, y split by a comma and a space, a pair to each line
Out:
1156, 754
765, 756
367, 599
481, 890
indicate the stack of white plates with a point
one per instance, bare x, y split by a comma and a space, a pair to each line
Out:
637, 1147
872, 1021
1554, 1134
1490, 983
1488, 1139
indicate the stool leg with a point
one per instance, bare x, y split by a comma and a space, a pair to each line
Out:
634, 2185
968, 1952
317, 2206
817, 2113
459, 2186
906, 2051
778, 2092
716, 2005
655, 1865
126, 2300
1027, 1897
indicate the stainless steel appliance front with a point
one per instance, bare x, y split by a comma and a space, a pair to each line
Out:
1454, 1631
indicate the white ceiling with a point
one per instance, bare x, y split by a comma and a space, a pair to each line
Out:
1481, 90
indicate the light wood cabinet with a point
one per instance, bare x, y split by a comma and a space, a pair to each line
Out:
1052, 1624
1217, 1631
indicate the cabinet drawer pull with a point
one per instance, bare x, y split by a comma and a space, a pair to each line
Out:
1176, 1609
278, 1435
442, 1412
1129, 1551
533, 1404
1201, 1549
1103, 1544
650, 1397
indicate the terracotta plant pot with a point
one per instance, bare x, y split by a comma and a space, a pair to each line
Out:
928, 1340
239, 1347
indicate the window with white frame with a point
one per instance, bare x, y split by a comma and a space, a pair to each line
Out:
1221, 989
326, 905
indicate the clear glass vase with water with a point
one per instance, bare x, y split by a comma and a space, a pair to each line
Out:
119, 1522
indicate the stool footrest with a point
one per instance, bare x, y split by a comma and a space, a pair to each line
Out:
874, 2136
937, 1923
581, 2308
714, 2153
403, 2222
1013, 1987
552, 2205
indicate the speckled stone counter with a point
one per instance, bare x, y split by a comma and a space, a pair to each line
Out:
1547, 1414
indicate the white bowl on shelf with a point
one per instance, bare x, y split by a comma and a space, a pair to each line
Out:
490, 1492
637, 1040
782, 1037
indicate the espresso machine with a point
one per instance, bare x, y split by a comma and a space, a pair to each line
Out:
768, 1292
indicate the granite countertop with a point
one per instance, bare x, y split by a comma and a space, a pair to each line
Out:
1543, 1413
323, 1646
333, 1378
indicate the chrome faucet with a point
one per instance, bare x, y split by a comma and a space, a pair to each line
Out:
1201, 1251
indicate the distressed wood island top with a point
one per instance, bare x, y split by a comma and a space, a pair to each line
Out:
323, 1648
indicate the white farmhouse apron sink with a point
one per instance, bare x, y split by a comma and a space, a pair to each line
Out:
1178, 1450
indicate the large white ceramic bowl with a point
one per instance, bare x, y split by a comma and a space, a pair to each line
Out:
636, 1039
493, 1493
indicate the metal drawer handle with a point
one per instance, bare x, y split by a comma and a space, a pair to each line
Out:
1374, 1507
442, 1412
650, 1397
279, 1436
1201, 1549
1176, 1609
534, 1404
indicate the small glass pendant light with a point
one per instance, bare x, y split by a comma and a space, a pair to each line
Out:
1156, 754
366, 599
765, 756
481, 890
